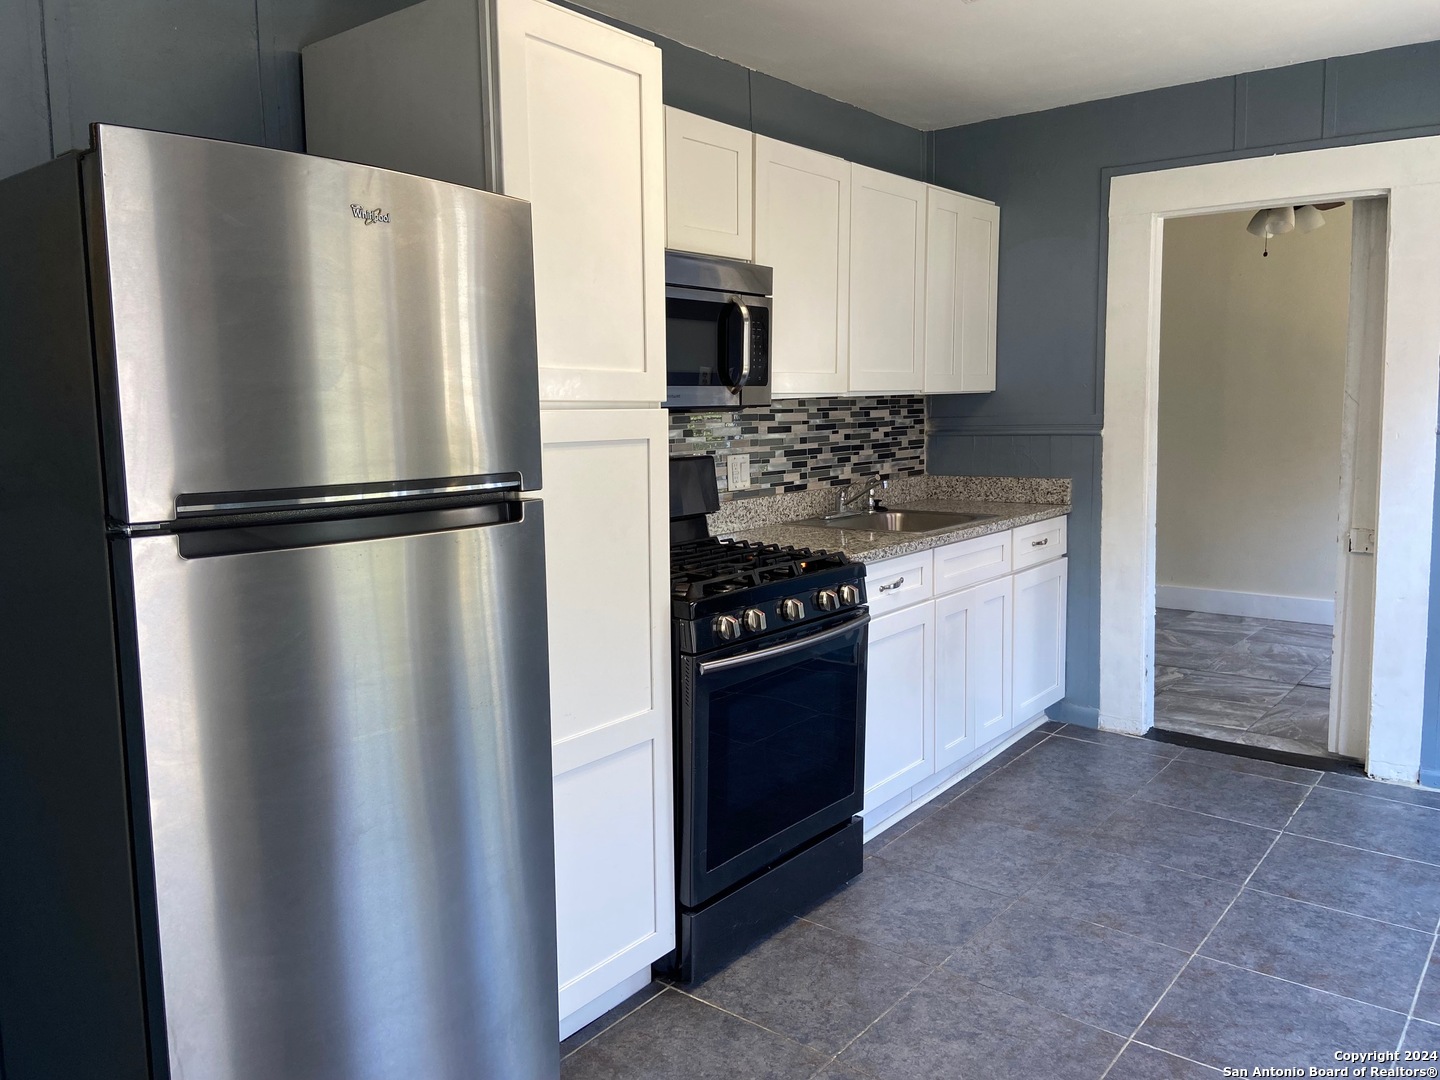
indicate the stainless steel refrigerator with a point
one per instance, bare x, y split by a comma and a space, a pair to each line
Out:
275, 746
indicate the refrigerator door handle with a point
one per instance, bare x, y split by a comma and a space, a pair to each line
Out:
261, 535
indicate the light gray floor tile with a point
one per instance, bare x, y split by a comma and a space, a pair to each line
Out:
1098, 976
1377, 789
1192, 649
1253, 766
1311, 635
1254, 800
677, 1036
1282, 743
1320, 677
1186, 841
1169, 617
1175, 707
1422, 1036
959, 1030
922, 915
1411, 832
1141, 1062
1303, 715
1238, 624
987, 854
1427, 1006
1360, 882
1145, 899
1226, 1016
1275, 661
813, 985
1235, 689
1329, 950
1166, 677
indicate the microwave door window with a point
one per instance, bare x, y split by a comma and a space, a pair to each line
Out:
695, 339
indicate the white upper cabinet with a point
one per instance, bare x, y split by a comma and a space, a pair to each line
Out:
802, 230
582, 130
887, 283
962, 258
709, 186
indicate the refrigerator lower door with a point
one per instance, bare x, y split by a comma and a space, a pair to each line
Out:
347, 750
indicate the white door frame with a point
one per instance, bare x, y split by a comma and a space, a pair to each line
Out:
1407, 173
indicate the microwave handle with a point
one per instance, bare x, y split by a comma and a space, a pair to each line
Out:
744, 341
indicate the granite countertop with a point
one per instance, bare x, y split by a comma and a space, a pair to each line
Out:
923, 493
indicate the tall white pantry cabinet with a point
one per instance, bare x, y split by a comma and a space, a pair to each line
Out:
542, 103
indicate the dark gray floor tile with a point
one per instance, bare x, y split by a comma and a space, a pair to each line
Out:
1378, 789
1185, 840
1427, 1006
923, 915
1113, 740
1422, 1036
676, 1036
921, 813
610, 1019
1329, 950
1042, 801
1303, 714
1193, 650
1097, 976
1140, 1062
1360, 882
1179, 706
1412, 832
1254, 766
986, 854
1227, 1016
1254, 800
956, 1029
838, 1070
1271, 660
1096, 763
1146, 899
818, 987
1051, 726
1237, 624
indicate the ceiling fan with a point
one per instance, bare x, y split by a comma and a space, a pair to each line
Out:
1278, 220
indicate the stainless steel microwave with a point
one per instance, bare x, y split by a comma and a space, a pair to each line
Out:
717, 332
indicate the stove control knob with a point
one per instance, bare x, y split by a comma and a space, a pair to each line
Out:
727, 627
827, 600
849, 595
791, 609
754, 620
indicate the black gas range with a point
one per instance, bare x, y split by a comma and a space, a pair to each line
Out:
769, 655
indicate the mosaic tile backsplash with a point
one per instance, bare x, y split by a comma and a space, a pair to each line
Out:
804, 443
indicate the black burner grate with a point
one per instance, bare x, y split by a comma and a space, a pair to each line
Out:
704, 568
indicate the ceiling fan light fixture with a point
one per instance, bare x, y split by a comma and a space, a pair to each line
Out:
1258, 223
1280, 220
1308, 218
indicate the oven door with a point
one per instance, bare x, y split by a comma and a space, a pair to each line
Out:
771, 750
717, 348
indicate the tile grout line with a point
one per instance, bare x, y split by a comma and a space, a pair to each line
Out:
1341, 911
1196, 952
1410, 1017
613, 1024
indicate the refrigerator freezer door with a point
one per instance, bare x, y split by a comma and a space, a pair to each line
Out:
281, 322
347, 751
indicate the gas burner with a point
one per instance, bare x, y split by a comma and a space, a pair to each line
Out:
709, 567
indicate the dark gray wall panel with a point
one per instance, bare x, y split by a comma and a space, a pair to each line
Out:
700, 83
24, 111
1390, 90
188, 67
785, 111
1283, 105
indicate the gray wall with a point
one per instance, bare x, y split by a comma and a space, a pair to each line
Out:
1049, 172
230, 69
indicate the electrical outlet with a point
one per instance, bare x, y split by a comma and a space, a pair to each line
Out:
738, 468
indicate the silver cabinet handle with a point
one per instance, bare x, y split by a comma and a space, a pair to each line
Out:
1039, 543
744, 342
893, 585
782, 650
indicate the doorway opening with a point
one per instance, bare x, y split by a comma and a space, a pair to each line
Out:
1267, 472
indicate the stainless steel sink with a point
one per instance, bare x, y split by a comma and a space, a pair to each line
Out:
904, 521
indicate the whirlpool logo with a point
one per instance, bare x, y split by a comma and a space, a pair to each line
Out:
370, 217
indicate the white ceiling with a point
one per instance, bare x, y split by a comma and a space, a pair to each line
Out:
937, 63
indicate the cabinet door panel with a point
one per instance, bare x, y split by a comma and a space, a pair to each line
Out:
972, 669
802, 230
609, 692
709, 186
962, 261
887, 282
1040, 606
582, 132
899, 705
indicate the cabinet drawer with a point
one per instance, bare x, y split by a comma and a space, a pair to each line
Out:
971, 561
1039, 542
899, 582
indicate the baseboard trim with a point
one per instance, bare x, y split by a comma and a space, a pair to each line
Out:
1066, 711
594, 1009
1255, 605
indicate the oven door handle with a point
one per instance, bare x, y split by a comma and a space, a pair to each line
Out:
709, 666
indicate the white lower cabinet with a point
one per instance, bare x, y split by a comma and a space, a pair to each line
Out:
899, 703
1040, 636
962, 652
607, 505
972, 669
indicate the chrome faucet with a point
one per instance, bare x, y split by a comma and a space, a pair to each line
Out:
852, 494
